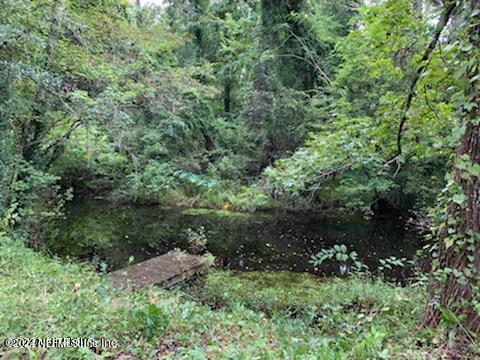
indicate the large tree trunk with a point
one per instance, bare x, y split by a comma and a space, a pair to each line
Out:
452, 292
459, 247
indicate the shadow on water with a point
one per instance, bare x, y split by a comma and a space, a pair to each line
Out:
100, 231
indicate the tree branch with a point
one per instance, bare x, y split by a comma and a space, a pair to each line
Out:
447, 13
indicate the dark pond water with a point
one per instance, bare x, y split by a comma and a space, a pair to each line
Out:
103, 232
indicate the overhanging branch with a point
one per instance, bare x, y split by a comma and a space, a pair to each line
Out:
447, 13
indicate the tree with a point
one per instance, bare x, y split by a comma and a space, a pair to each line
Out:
67, 69
391, 69
454, 289
295, 45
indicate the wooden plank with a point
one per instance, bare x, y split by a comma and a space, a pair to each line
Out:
165, 270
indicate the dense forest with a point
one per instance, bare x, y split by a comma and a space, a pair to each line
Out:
246, 108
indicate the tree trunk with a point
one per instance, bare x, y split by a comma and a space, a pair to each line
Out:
459, 247
262, 84
452, 291
227, 90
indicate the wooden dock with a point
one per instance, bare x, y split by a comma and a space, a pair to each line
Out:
165, 270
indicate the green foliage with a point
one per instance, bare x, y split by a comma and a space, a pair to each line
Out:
216, 100
390, 262
197, 240
269, 315
356, 141
64, 81
354, 319
156, 105
153, 321
455, 271
339, 252
208, 103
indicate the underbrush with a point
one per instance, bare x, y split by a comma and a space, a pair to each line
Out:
245, 316
219, 194
357, 318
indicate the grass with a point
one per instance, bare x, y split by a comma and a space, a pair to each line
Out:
357, 319
233, 316
215, 212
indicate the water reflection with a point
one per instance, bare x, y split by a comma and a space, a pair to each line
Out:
112, 233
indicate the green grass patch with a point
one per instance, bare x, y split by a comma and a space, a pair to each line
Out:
216, 212
245, 316
373, 319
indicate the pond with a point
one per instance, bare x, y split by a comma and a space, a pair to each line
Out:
106, 233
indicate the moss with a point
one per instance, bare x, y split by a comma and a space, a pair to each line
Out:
215, 212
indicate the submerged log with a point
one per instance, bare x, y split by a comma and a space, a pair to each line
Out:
165, 270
